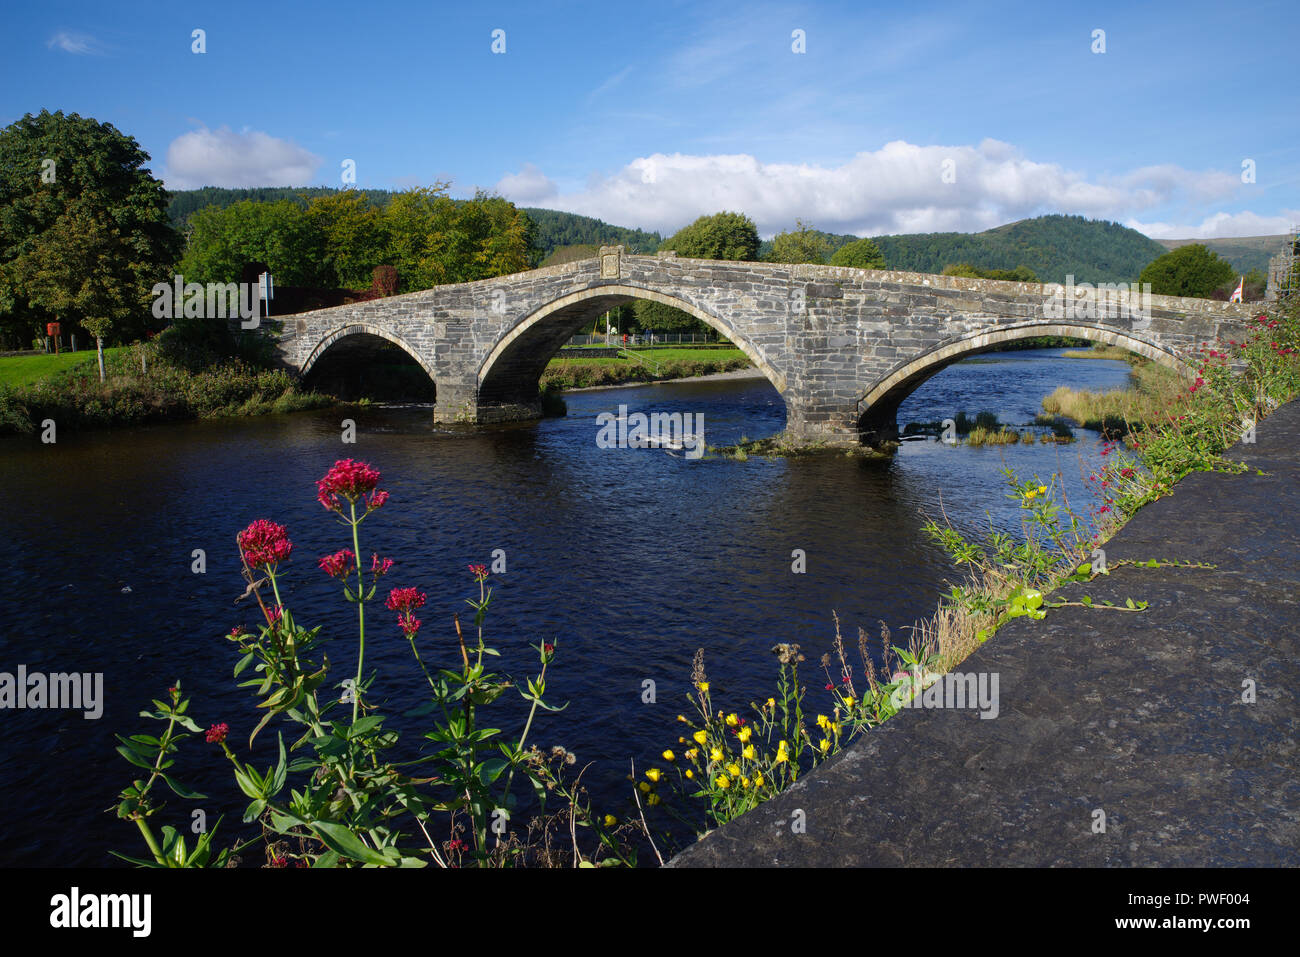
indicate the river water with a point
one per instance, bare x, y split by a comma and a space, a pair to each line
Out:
627, 560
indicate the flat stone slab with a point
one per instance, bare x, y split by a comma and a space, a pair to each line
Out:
1138, 715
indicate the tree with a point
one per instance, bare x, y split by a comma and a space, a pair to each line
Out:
966, 270
280, 234
50, 162
1190, 270
82, 267
434, 239
355, 239
720, 236
803, 244
863, 254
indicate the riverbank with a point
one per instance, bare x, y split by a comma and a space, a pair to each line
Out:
732, 375
563, 375
1164, 738
162, 391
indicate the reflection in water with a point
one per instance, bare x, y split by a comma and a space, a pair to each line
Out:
627, 559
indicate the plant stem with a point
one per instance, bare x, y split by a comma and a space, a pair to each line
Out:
361, 613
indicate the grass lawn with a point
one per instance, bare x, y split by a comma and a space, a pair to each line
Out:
658, 355
24, 370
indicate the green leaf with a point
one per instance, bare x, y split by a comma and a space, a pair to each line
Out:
134, 758
180, 789
341, 840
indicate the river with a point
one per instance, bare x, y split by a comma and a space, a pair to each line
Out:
627, 560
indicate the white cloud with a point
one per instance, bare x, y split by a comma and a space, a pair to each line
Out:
530, 186
223, 157
78, 44
1222, 226
899, 188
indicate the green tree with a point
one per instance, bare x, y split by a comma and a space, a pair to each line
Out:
1019, 274
863, 254
803, 244
720, 236
82, 267
355, 240
49, 163
435, 239
1190, 270
223, 241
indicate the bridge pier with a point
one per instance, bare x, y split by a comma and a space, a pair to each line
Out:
462, 404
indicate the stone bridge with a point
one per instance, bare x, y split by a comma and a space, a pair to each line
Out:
842, 346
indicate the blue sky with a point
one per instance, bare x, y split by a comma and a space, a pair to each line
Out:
896, 118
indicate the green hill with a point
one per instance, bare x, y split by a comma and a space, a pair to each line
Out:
1052, 246
186, 201
556, 229
1244, 252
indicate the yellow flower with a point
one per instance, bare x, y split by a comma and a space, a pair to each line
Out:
654, 774
1042, 490
849, 702
734, 770
669, 756
610, 820
692, 753
733, 720
681, 740
749, 753
771, 702
781, 755
822, 721
690, 773
700, 737
758, 779
652, 800
745, 734
681, 718
744, 782
723, 782
645, 788
704, 686
825, 745
715, 754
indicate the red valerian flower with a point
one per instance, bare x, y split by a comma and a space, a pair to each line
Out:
351, 480
264, 543
274, 613
217, 733
378, 567
339, 564
405, 601
479, 572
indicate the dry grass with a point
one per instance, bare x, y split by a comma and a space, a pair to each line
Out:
1147, 401
982, 436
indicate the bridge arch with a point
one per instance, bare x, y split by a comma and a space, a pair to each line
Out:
511, 369
358, 359
356, 329
879, 407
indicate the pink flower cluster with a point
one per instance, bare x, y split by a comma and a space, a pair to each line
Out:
479, 572
351, 480
405, 601
340, 564
217, 733
264, 543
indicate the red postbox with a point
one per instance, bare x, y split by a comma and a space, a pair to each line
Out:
52, 330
